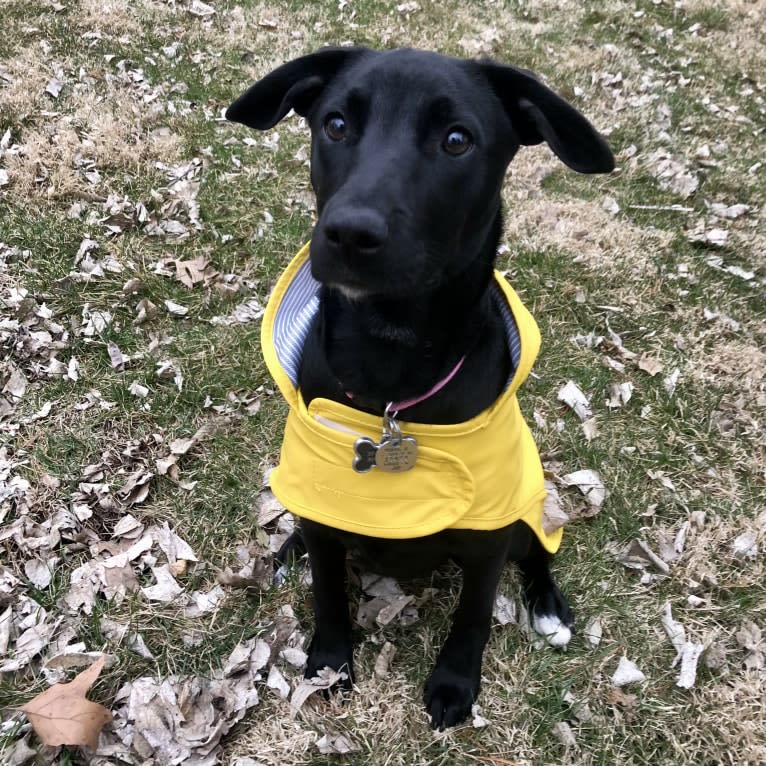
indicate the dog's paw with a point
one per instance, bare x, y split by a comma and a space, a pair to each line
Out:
552, 629
448, 697
553, 619
339, 658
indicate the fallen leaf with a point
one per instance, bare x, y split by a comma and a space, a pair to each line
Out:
504, 610
116, 357
166, 589
619, 394
688, 652
745, 546
277, 681
593, 632
564, 734
192, 272
200, 9
627, 673
554, 515
62, 715
749, 637
383, 660
728, 211
176, 308
617, 696
575, 399
324, 679
671, 381
638, 555
589, 429
589, 483
659, 476
250, 311
479, 721
336, 744
650, 364
54, 87
139, 390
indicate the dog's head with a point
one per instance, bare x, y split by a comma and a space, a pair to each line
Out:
409, 150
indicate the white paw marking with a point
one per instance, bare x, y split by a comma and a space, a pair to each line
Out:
552, 629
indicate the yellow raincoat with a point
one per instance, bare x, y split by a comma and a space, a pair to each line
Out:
483, 473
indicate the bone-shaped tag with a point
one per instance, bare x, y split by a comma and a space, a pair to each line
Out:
365, 450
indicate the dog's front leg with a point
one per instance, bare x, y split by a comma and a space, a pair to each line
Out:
331, 644
454, 683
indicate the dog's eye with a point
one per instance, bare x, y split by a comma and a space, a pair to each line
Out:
457, 141
335, 127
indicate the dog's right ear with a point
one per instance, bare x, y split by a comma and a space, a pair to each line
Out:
294, 85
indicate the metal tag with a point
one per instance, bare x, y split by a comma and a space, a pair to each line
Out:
365, 450
397, 455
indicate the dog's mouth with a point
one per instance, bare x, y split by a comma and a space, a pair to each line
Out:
393, 273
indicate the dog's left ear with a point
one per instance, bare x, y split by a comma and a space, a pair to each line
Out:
294, 85
538, 114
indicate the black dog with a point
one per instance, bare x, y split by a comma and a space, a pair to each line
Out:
409, 151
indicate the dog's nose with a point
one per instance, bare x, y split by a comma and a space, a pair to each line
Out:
360, 230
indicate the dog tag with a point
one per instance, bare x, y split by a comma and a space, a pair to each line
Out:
397, 455
365, 450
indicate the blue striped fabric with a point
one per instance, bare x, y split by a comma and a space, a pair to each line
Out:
293, 320
301, 303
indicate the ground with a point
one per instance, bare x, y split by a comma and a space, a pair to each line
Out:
140, 234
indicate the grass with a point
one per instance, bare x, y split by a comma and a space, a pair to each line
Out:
579, 267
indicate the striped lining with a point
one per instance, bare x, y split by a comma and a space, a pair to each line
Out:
301, 303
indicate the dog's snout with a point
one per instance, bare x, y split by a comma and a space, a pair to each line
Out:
356, 230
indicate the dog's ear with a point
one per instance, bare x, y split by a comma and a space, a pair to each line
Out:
537, 114
294, 85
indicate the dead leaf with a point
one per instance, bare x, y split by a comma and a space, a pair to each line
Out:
116, 357
593, 632
277, 681
504, 610
650, 364
589, 429
750, 638
54, 87
62, 715
383, 660
575, 399
200, 9
728, 211
554, 515
620, 394
190, 273
688, 652
336, 744
589, 483
638, 555
326, 678
745, 546
564, 734
627, 673
176, 308
617, 696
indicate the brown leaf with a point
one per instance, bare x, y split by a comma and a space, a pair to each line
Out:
62, 715
622, 699
650, 364
192, 272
